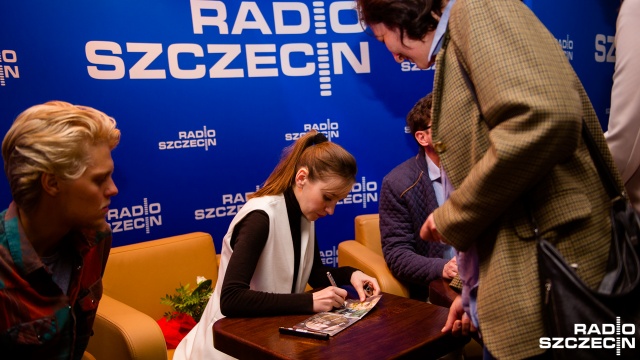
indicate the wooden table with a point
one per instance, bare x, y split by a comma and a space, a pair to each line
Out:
396, 328
440, 293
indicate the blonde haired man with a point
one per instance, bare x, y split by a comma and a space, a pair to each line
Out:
54, 240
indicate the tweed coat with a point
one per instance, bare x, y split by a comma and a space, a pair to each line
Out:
507, 116
407, 197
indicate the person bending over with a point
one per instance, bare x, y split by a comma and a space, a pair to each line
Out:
507, 118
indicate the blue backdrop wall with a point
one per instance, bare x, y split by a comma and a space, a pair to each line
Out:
208, 93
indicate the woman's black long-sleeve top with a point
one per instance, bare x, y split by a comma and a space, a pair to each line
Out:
247, 241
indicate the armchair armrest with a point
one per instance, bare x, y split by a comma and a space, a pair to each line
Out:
122, 332
352, 253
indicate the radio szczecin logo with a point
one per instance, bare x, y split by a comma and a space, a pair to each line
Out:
8, 67
231, 204
203, 139
227, 20
135, 217
616, 336
362, 192
330, 129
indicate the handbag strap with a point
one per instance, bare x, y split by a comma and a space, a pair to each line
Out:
608, 180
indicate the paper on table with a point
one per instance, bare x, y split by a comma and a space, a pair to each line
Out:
332, 322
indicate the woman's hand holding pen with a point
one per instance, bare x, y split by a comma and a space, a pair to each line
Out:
328, 298
364, 284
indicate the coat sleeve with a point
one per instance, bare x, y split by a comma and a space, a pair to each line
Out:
399, 239
526, 94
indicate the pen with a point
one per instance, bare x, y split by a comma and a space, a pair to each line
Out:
367, 287
304, 333
333, 282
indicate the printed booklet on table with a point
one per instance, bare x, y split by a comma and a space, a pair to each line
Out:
336, 320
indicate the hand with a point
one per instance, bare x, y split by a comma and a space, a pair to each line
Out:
359, 279
428, 231
450, 269
328, 298
458, 322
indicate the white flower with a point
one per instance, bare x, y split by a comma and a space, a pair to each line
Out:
200, 279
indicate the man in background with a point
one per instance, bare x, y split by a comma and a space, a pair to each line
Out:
410, 192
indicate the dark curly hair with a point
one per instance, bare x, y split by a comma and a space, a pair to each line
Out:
412, 17
420, 115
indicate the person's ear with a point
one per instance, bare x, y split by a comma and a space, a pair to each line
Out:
421, 137
50, 184
301, 176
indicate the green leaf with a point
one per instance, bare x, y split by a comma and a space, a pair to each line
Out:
192, 303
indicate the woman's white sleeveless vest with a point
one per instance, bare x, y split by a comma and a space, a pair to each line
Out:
274, 271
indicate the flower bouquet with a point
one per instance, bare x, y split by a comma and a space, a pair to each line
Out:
187, 308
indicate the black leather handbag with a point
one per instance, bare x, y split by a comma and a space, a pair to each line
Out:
610, 315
